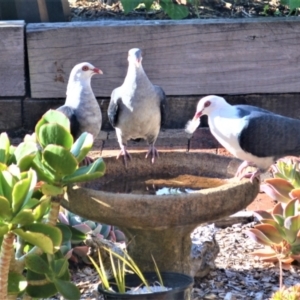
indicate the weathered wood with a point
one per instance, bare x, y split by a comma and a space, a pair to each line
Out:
12, 68
189, 57
10, 114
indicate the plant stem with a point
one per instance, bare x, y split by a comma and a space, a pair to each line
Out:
280, 274
5, 258
54, 210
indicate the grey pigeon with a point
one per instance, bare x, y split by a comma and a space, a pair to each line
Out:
255, 135
137, 108
81, 106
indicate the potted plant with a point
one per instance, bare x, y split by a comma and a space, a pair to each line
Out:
139, 285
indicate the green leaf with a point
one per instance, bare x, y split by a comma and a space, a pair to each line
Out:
37, 239
4, 147
44, 291
66, 232
291, 208
23, 217
42, 172
31, 203
55, 134
7, 182
293, 4
174, 11
130, 5
24, 154
37, 264
292, 225
52, 232
92, 171
270, 232
53, 116
42, 208
258, 237
17, 283
5, 210
82, 146
52, 190
67, 289
3, 230
60, 160
59, 267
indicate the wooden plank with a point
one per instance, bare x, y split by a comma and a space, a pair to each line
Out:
10, 114
12, 68
190, 57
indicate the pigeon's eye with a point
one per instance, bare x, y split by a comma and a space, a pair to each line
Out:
207, 104
85, 68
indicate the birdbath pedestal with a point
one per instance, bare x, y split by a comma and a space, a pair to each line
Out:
161, 225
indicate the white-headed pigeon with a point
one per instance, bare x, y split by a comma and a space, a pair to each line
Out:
255, 135
137, 108
81, 106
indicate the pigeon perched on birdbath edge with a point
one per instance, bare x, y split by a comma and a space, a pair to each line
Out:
255, 135
137, 108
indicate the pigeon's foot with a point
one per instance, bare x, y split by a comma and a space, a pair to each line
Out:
252, 175
86, 161
153, 151
125, 155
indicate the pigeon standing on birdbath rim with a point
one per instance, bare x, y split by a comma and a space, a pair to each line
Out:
255, 135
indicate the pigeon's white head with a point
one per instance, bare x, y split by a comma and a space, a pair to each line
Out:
135, 57
206, 106
210, 104
84, 71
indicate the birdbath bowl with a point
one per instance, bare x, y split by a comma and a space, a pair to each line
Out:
161, 225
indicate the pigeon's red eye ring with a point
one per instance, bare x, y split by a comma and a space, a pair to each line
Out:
85, 68
207, 103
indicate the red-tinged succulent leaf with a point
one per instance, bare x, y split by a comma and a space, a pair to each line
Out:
277, 188
264, 252
81, 250
83, 228
275, 224
291, 208
295, 193
270, 232
278, 209
279, 219
262, 214
258, 237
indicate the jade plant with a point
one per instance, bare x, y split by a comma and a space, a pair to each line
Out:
33, 179
279, 229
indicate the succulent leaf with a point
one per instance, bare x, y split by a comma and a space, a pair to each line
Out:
4, 148
5, 212
277, 189
3, 230
92, 171
295, 193
23, 217
59, 267
67, 289
258, 237
17, 283
24, 154
60, 161
262, 214
291, 208
292, 225
270, 232
82, 146
55, 134
37, 264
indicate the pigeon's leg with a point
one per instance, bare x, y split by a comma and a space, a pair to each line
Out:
251, 175
86, 161
153, 151
125, 154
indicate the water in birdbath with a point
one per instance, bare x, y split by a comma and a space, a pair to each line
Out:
161, 185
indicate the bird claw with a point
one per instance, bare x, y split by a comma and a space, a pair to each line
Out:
86, 161
125, 155
252, 175
152, 150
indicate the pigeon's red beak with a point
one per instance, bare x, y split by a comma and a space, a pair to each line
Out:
198, 114
97, 71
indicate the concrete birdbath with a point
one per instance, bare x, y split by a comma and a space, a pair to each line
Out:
161, 224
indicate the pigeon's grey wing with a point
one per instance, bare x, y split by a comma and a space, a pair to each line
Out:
163, 104
270, 135
113, 108
245, 109
70, 114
